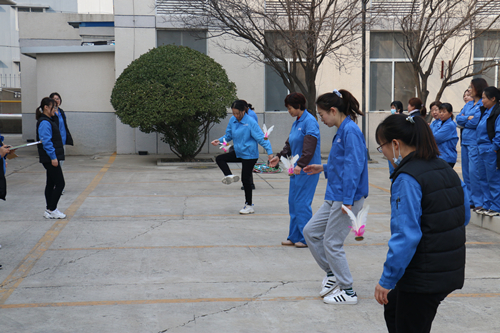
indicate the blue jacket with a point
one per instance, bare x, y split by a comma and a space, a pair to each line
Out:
406, 200
446, 139
484, 143
45, 134
305, 125
252, 114
347, 166
496, 139
246, 135
469, 132
62, 128
435, 125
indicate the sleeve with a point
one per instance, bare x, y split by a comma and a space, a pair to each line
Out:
258, 136
308, 150
45, 134
462, 117
466, 203
405, 229
354, 162
286, 151
229, 135
472, 123
445, 132
496, 138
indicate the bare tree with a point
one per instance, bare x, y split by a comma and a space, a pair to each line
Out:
443, 30
294, 37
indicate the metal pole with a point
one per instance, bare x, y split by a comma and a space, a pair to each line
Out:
363, 72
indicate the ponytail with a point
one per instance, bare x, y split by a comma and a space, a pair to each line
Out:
342, 100
46, 101
418, 104
413, 131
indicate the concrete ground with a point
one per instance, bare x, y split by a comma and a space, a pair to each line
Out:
149, 248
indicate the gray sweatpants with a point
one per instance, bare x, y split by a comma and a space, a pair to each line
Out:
325, 234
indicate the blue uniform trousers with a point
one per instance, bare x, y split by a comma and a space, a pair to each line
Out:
476, 177
465, 171
300, 197
493, 179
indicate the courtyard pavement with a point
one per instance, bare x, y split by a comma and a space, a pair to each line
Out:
148, 248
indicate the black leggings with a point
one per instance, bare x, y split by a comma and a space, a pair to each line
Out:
55, 185
246, 171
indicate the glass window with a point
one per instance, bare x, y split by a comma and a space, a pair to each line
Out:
386, 45
276, 90
23, 9
490, 75
36, 10
380, 86
404, 84
487, 45
193, 39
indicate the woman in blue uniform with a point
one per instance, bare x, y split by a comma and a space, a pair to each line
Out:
51, 153
488, 142
468, 119
434, 111
304, 140
426, 257
246, 136
446, 135
347, 175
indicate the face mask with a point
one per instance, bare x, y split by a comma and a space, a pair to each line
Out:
398, 160
393, 111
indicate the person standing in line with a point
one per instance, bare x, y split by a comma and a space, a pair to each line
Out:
249, 110
416, 107
347, 175
50, 152
488, 142
60, 119
473, 172
434, 110
246, 136
446, 135
304, 140
426, 257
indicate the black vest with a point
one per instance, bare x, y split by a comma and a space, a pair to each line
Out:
69, 138
438, 265
56, 141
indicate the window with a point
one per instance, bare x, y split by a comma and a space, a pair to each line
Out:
487, 53
391, 74
193, 39
275, 89
31, 9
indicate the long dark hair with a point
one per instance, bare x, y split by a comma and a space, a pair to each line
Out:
479, 85
46, 101
418, 104
346, 104
413, 131
240, 105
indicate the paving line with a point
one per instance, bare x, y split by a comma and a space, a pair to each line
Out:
200, 300
107, 248
9, 285
380, 188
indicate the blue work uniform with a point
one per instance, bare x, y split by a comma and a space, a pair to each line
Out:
447, 138
45, 134
246, 135
347, 166
470, 155
406, 232
302, 187
488, 157
435, 125
62, 128
252, 114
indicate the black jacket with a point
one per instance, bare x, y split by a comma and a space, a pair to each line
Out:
56, 141
438, 265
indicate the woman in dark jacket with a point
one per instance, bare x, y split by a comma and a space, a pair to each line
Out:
426, 258
51, 152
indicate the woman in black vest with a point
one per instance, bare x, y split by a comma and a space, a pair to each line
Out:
51, 152
426, 258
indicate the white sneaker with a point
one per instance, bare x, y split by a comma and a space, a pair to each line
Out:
328, 285
339, 296
55, 214
491, 213
248, 209
230, 179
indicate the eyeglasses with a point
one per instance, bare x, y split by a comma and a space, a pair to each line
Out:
379, 148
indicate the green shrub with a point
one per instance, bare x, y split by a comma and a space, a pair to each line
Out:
176, 91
